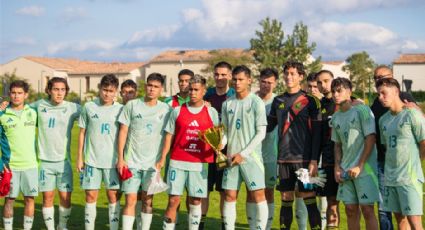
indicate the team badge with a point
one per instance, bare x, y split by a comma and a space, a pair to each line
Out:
282, 106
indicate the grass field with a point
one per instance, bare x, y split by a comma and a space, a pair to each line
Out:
160, 203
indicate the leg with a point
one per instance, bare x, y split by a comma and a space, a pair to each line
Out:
251, 210
114, 208
147, 210
195, 212
385, 218
270, 205
64, 209
170, 212
261, 208
229, 209
301, 213
90, 209
332, 212
369, 216
8, 213
128, 214
415, 222
402, 221
28, 212
353, 216
139, 211
49, 210
312, 210
286, 213
323, 207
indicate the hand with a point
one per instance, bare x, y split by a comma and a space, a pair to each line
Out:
121, 164
207, 103
411, 105
159, 164
220, 147
354, 171
312, 168
3, 105
338, 174
237, 159
357, 102
80, 165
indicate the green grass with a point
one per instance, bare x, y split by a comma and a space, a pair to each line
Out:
160, 203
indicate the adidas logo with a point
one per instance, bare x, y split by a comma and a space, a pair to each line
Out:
113, 183
194, 123
49, 218
363, 196
9, 120
95, 116
67, 186
139, 116
115, 220
199, 191
44, 110
87, 221
407, 209
195, 223
33, 190
253, 184
231, 111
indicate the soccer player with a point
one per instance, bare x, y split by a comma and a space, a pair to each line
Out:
403, 134
56, 118
17, 139
189, 155
298, 118
182, 96
128, 91
312, 87
216, 96
245, 121
324, 81
385, 218
268, 82
141, 133
353, 132
97, 150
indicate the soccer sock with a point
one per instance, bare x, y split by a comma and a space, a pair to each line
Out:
286, 214
146, 219
301, 213
48, 216
8, 223
127, 222
90, 216
168, 226
138, 214
64, 214
223, 226
201, 225
323, 205
262, 215
229, 213
114, 216
271, 215
251, 214
313, 213
28, 220
195, 213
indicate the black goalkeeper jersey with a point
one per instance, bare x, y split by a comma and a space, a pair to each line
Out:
299, 126
328, 107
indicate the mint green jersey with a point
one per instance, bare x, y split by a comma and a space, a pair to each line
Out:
350, 129
269, 144
17, 138
241, 119
145, 134
101, 124
55, 123
401, 134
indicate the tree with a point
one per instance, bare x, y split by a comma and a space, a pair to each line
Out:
360, 67
272, 50
8, 78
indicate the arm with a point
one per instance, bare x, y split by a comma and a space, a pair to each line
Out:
272, 118
81, 138
258, 138
165, 149
316, 131
122, 138
337, 167
369, 143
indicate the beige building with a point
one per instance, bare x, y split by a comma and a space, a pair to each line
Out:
336, 68
82, 76
410, 67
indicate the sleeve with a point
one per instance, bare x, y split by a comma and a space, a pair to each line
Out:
5, 149
367, 120
316, 126
214, 116
35, 104
261, 115
418, 125
77, 111
83, 120
272, 117
381, 131
125, 115
169, 100
335, 136
258, 138
171, 123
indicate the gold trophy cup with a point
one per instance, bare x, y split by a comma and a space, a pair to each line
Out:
213, 137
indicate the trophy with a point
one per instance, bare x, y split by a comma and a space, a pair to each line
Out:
213, 137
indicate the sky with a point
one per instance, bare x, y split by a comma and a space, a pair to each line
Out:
137, 30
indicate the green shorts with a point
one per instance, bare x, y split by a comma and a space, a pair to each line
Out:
251, 171
54, 175
270, 171
361, 190
196, 182
406, 199
24, 181
140, 180
92, 178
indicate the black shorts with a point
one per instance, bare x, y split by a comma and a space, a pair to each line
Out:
288, 179
215, 177
331, 186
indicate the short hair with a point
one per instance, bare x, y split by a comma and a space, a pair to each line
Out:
198, 79
324, 71
383, 67
19, 84
389, 82
186, 72
312, 77
54, 80
241, 69
341, 82
109, 80
269, 72
223, 64
156, 77
293, 64
129, 83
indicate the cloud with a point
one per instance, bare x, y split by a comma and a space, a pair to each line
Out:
35, 11
150, 35
79, 46
71, 14
25, 41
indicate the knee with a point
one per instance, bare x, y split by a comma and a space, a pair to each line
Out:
351, 210
368, 211
147, 203
48, 200
174, 201
91, 197
29, 200
230, 197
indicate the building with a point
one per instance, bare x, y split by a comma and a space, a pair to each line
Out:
410, 67
82, 76
336, 68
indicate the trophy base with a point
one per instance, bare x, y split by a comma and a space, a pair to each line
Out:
222, 165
